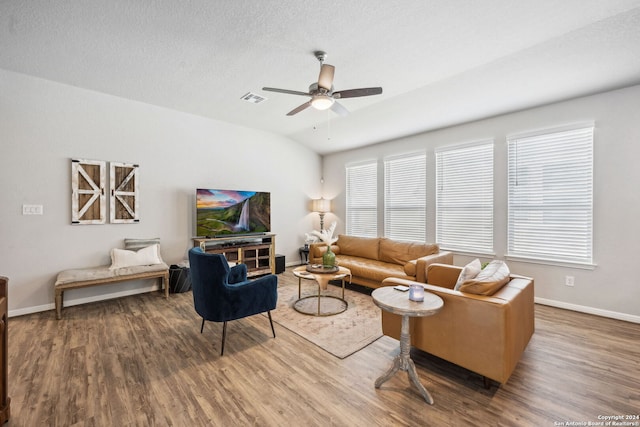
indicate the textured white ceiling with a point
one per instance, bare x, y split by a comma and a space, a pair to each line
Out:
440, 62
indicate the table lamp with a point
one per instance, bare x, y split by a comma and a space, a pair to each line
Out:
321, 206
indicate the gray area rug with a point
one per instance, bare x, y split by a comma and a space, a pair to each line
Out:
341, 334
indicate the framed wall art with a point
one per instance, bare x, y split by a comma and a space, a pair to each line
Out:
88, 191
124, 198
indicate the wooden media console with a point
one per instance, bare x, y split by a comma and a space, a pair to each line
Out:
257, 252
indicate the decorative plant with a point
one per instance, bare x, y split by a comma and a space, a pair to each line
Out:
326, 235
309, 238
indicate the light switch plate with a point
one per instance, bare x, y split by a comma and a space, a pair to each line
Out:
32, 210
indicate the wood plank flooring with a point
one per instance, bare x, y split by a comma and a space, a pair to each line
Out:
141, 361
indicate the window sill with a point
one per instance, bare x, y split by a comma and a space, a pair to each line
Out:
477, 254
567, 264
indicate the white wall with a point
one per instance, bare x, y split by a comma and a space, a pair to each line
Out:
44, 124
612, 288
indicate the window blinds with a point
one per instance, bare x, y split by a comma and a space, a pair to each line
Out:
464, 197
405, 187
362, 199
550, 198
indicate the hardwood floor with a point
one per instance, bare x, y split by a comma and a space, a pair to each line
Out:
142, 361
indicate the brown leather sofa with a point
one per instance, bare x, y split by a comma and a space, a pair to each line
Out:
484, 334
371, 260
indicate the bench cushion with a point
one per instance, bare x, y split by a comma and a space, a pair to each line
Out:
104, 272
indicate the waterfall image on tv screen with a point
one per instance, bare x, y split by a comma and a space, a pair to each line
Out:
221, 212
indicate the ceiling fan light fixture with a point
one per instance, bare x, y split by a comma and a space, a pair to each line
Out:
322, 102
322, 95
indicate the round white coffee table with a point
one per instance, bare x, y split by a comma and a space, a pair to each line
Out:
398, 302
323, 280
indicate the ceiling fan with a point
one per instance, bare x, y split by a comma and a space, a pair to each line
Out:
322, 94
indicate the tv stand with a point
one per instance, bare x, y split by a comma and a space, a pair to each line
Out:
256, 251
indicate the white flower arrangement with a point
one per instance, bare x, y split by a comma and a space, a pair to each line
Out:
326, 235
309, 239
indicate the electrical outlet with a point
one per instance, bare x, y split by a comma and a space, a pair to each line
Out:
569, 280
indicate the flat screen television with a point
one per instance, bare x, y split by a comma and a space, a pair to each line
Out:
227, 212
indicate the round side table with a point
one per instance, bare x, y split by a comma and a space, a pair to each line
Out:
323, 280
398, 302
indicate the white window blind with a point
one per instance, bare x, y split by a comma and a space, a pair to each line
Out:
551, 196
464, 197
362, 199
405, 187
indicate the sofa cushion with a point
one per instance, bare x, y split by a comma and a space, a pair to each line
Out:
470, 271
493, 277
365, 247
371, 269
317, 250
402, 252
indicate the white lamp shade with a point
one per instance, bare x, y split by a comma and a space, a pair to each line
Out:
321, 205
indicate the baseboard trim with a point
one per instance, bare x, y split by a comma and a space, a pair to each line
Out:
31, 310
543, 301
588, 310
79, 301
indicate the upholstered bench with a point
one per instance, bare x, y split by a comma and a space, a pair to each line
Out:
126, 265
81, 278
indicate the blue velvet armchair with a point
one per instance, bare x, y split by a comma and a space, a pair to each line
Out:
221, 293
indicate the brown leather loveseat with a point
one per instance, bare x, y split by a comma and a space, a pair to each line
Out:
484, 334
371, 260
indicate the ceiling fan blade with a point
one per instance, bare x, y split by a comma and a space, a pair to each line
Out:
299, 108
290, 92
325, 79
354, 93
339, 109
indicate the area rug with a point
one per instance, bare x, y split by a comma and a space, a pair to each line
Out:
341, 334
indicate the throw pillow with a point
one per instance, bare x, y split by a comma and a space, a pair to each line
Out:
121, 258
136, 244
410, 268
493, 277
469, 272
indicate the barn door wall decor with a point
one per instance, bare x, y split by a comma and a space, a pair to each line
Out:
88, 191
124, 206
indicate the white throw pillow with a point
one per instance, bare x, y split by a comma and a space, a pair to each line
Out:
146, 256
488, 281
469, 272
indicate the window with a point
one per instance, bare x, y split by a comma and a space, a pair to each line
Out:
362, 199
464, 197
405, 187
551, 195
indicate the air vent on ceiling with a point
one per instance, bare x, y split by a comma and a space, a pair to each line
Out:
253, 98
